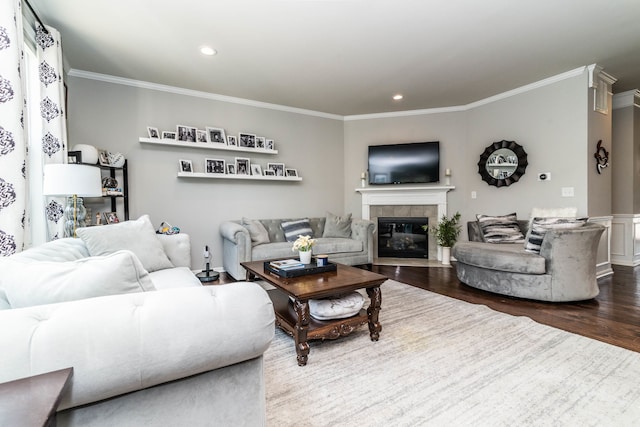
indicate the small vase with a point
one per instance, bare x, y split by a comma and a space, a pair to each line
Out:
305, 257
446, 255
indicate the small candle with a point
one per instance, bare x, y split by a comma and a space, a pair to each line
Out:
363, 175
447, 172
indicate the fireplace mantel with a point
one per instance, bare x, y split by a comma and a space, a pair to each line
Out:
427, 195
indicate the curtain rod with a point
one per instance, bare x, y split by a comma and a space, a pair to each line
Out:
33, 12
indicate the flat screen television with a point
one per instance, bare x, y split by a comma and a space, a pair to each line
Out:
412, 163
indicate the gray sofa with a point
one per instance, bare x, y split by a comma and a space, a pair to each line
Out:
564, 270
237, 245
182, 354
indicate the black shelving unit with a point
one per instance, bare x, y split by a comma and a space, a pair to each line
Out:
125, 187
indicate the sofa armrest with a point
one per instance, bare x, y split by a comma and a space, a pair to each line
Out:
125, 343
177, 247
236, 248
362, 230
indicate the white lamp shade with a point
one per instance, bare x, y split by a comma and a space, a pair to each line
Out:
70, 179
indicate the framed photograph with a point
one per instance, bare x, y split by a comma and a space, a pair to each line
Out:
277, 168
103, 158
74, 157
270, 145
111, 218
214, 165
247, 140
185, 166
201, 136
168, 135
242, 166
290, 172
260, 142
269, 172
186, 133
231, 169
256, 170
232, 140
153, 132
216, 135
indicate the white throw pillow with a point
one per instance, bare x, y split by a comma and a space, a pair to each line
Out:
553, 213
336, 307
137, 236
26, 283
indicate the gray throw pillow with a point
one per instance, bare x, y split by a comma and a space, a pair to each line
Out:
295, 228
258, 233
26, 283
137, 236
540, 226
337, 226
500, 229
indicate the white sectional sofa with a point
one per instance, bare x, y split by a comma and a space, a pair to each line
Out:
167, 351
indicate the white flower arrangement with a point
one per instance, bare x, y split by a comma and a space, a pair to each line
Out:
303, 243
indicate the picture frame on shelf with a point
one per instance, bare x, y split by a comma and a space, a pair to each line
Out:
269, 172
277, 168
215, 166
231, 169
185, 166
111, 218
74, 157
168, 135
291, 172
232, 141
153, 132
260, 142
256, 169
201, 136
270, 145
186, 133
216, 135
243, 166
247, 140
103, 158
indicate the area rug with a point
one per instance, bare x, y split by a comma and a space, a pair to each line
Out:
445, 362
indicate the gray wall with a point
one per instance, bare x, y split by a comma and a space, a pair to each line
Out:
550, 122
114, 117
625, 160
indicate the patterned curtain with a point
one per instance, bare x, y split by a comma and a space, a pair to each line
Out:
13, 147
52, 112
14, 177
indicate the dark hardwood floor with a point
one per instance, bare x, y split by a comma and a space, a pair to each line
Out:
612, 317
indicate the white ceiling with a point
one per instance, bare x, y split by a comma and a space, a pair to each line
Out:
349, 57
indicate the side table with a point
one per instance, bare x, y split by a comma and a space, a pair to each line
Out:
33, 401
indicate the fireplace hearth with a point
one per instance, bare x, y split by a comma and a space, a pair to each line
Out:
402, 237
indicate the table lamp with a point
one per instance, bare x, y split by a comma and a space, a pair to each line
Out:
76, 181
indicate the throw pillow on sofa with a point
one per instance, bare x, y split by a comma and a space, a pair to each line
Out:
295, 228
500, 229
137, 236
258, 233
337, 226
26, 283
540, 226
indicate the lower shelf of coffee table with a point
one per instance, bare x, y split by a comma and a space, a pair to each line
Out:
318, 329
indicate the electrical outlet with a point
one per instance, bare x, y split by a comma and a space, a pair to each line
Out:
474, 194
567, 192
544, 176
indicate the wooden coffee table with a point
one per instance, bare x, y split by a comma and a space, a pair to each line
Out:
293, 316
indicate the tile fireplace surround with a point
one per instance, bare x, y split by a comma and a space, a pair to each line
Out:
427, 201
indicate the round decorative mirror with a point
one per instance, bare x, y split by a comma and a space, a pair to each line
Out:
502, 163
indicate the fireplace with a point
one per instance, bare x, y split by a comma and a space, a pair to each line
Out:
402, 237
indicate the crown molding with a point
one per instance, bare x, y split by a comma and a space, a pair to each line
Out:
629, 98
197, 94
522, 89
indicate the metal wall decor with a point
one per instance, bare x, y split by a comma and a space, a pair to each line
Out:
502, 163
602, 157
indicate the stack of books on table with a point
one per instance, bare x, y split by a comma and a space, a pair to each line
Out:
287, 264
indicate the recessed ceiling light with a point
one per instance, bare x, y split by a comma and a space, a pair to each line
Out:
206, 50
397, 97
